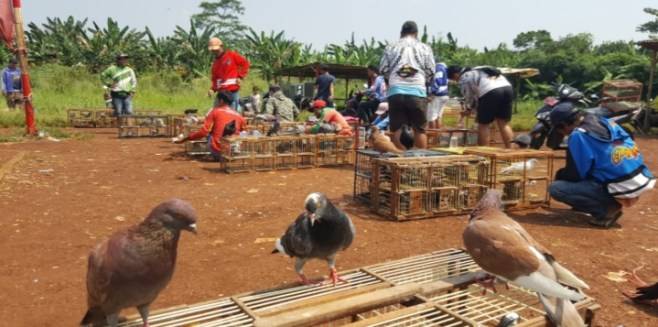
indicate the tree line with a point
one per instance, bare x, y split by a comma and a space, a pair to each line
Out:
574, 58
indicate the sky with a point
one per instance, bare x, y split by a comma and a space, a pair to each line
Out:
476, 23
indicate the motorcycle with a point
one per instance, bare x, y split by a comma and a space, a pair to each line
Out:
539, 134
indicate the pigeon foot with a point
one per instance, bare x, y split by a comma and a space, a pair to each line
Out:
333, 276
488, 282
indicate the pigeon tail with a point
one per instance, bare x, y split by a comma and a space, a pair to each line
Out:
567, 277
278, 247
94, 316
561, 312
544, 285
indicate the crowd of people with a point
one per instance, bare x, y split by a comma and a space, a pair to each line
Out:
406, 95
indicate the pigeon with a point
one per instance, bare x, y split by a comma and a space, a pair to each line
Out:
274, 130
517, 167
134, 265
644, 293
407, 137
381, 142
318, 233
504, 249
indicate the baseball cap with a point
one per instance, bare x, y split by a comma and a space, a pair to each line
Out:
319, 104
214, 43
382, 108
562, 112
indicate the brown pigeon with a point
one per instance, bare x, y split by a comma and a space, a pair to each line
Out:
504, 249
134, 265
381, 142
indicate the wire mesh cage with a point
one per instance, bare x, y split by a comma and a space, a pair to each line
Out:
145, 126
522, 175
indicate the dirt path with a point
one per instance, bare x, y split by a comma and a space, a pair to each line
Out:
63, 198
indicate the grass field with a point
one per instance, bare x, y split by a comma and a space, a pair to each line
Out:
58, 88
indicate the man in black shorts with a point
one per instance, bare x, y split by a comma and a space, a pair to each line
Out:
408, 65
486, 89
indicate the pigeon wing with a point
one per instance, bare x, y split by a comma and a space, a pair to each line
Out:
297, 239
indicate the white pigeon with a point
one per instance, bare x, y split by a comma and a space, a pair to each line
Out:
517, 167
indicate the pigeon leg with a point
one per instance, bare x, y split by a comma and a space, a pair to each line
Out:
333, 275
112, 319
487, 282
144, 312
299, 265
635, 279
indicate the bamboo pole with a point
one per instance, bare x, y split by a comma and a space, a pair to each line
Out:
652, 71
21, 52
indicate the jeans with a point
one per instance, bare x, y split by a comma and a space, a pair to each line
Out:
585, 196
122, 106
235, 102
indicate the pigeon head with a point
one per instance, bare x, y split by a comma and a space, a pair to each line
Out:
314, 203
490, 200
174, 214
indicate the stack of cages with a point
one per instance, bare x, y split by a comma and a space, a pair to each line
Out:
363, 166
81, 118
263, 152
333, 150
285, 148
621, 95
104, 118
305, 151
236, 154
192, 148
145, 126
416, 188
441, 138
522, 175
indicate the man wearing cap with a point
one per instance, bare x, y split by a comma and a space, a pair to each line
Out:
121, 81
328, 120
408, 65
11, 84
604, 171
228, 69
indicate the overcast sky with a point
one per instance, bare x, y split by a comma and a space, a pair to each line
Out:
477, 23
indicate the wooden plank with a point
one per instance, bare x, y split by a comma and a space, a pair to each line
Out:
9, 165
341, 308
298, 305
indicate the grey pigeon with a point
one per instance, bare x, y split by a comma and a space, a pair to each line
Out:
134, 265
318, 233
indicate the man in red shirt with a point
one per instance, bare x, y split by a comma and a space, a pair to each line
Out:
228, 69
216, 123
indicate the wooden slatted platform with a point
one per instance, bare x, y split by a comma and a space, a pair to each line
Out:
433, 289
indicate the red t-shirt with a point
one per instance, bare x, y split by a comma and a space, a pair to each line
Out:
226, 69
214, 124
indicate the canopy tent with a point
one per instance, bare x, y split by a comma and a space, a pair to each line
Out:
651, 44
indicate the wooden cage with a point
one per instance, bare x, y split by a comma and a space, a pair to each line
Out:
417, 188
434, 289
97, 118
145, 126
440, 138
523, 175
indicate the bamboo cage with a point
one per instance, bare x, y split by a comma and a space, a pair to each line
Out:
434, 289
146, 126
440, 138
197, 148
523, 175
96, 118
263, 153
417, 188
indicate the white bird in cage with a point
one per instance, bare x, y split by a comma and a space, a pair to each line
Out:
517, 167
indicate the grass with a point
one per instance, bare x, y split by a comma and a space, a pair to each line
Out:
58, 88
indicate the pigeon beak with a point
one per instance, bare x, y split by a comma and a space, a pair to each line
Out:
192, 228
312, 217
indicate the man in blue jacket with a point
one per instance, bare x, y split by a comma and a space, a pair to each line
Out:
11, 84
604, 171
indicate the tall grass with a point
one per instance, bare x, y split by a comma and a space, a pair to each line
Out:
58, 88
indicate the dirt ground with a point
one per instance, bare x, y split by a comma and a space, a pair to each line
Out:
62, 198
